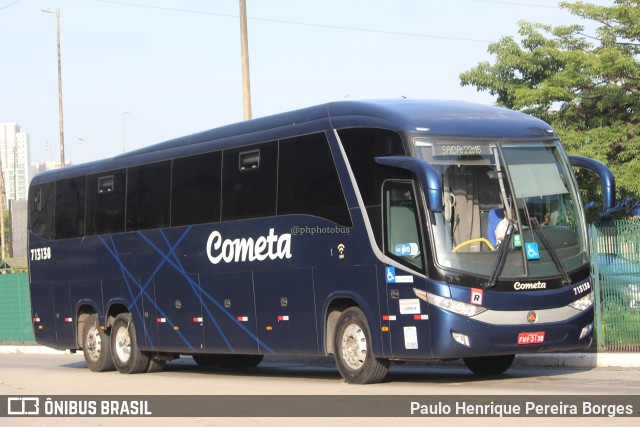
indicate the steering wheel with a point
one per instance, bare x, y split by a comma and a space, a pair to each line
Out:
470, 241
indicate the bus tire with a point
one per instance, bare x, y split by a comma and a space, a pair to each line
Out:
96, 346
127, 356
489, 365
352, 350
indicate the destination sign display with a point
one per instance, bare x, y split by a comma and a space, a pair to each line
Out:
461, 150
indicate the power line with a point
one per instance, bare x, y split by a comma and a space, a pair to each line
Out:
9, 5
306, 24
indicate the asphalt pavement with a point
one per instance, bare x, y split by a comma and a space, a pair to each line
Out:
586, 359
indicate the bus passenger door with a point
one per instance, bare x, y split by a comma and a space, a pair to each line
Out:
407, 315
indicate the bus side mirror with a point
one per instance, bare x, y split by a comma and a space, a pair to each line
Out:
427, 175
607, 181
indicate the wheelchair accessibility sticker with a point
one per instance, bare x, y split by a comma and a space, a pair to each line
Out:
390, 273
532, 250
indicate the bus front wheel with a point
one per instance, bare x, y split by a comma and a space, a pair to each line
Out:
489, 365
96, 346
127, 357
352, 350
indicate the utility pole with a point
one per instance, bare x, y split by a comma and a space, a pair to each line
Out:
246, 80
57, 13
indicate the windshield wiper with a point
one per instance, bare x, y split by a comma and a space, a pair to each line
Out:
502, 256
566, 280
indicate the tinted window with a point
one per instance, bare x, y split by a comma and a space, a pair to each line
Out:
105, 203
148, 196
308, 182
70, 208
249, 181
41, 210
196, 189
362, 146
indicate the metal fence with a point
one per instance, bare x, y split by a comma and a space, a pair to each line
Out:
15, 309
616, 269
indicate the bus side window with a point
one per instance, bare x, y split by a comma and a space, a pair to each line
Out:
148, 195
41, 210
69, 220
249, 176
402, 229
105, 203
362, 146
195, 192
308, 182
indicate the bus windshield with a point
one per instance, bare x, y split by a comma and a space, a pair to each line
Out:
511, 209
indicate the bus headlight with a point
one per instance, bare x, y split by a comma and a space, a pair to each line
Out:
458, 307
583, 303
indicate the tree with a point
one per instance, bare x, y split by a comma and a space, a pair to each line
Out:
587, 86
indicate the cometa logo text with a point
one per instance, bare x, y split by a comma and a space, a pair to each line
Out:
271, 246
528, 286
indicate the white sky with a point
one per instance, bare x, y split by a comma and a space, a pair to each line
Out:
175, 65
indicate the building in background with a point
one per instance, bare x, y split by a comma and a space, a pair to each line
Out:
15, 154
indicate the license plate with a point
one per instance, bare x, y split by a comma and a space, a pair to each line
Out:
525, 338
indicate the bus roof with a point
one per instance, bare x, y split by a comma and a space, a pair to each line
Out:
451, 119
442, 118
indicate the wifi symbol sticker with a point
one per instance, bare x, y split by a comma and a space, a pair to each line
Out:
341, 251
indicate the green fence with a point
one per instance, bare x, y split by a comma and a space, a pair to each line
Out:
15, 309
616, 268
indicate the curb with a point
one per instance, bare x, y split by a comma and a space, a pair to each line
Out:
546, 360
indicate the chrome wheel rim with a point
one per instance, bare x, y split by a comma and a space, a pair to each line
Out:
354, 346
123, 345
93, 344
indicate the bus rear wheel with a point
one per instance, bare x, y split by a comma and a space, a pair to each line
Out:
352, 350
489, 365
96, 346
127, 356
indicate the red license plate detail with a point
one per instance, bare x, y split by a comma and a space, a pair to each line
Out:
525, 338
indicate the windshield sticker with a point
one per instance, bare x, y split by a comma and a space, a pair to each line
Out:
532, 250
517, 240
407, 249
409, 306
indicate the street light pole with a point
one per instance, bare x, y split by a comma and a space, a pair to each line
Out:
57, 13
246, 81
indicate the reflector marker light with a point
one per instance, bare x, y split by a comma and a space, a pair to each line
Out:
197, 320
243, 318
283, 318
68, 319
420, 317
36, 319
161, 320
386, 317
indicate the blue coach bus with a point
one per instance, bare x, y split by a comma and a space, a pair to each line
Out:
365, 230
